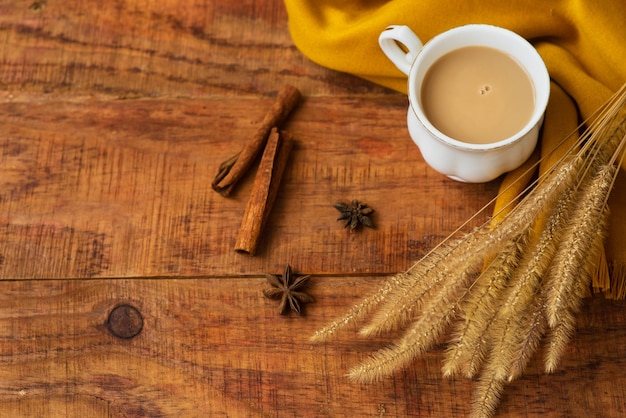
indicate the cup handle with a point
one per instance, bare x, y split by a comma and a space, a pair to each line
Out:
391, 40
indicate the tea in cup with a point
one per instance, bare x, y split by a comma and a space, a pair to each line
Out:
477, 97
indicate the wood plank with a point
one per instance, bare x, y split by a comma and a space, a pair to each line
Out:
121, 188
113, 120
138, 48
217, 347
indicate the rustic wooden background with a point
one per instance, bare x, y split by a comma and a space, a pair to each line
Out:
114, 117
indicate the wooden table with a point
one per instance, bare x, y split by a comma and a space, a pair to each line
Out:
114, 117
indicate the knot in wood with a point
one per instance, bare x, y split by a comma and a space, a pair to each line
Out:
125, 321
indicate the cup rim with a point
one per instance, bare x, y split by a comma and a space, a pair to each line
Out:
541, 100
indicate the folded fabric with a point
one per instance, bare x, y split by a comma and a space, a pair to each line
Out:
583, 44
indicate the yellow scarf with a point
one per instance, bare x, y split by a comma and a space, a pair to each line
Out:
583, 44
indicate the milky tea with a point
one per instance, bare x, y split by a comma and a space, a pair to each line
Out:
477, 95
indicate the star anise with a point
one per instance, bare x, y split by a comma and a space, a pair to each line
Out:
355, 214
288, 288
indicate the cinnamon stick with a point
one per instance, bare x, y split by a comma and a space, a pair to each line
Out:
233, 169
264, 190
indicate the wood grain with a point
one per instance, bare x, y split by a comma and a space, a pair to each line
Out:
139, 49
123, 188
114, 118
213, 347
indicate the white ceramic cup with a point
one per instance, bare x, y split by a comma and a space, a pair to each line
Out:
463, 161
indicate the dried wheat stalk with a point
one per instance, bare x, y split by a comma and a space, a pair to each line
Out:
503, 289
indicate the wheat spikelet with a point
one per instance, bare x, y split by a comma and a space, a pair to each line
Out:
558, 338
488, 240
596, 258
570, 275
359, 310
540, 258
387, 360
500, 355
538, 255
562, 331
467, 347
544, 195
520, 330
420, 337
401, 285
570, 259
529, 335
487, 395
408, 296
471, 344
471, 249
517, 328
398, 284
411, 303
560, 335
514, 337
